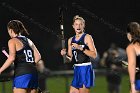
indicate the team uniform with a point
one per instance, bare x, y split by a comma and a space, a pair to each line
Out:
137, 81
83, 72
25, 75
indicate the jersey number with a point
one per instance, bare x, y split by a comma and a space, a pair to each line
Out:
29, 56
75, 55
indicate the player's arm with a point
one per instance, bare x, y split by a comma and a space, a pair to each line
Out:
12, 55
67, 54
103, 59
37, 55
131, 63
90, 43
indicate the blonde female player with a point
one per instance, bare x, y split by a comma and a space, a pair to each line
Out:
80, 48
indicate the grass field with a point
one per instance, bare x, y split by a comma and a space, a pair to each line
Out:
57, 85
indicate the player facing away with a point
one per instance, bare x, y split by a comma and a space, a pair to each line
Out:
24, 54
133, 53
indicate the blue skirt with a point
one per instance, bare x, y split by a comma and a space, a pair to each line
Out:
83, 75
26, 81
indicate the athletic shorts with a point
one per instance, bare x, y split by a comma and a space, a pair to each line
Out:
137, 84
26, 81
83, 75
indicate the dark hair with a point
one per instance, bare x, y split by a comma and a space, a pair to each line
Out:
134, 29
17, 27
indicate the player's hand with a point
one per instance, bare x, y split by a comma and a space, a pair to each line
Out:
76, 46
63, 52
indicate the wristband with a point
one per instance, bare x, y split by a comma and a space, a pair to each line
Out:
68, 56
83, 49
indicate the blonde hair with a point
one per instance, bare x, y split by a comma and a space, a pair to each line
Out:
77, 17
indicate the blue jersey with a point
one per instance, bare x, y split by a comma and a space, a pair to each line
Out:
137, 81
24, 62
78, 55
138, 66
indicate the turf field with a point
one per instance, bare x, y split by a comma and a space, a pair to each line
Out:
57, 85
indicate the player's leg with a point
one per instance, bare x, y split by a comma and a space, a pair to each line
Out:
74, 90
84, 90
19, 90
32, 91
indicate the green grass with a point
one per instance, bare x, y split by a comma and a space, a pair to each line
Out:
57, 85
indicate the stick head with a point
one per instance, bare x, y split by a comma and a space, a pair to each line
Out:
4, 52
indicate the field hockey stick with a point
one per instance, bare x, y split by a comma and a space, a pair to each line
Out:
5, 77
125, 64
62, 31
5, 53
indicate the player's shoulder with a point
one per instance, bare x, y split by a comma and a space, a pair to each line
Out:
88, 37
70, 39
130, 47
30, 42
12, 40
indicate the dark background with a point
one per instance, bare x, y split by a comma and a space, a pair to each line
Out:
106, 21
